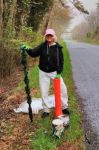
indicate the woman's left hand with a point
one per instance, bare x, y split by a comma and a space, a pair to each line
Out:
58, 76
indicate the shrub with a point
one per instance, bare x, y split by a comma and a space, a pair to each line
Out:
10, 55
7, 60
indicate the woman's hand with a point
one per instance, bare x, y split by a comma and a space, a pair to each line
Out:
24, 47
58, 76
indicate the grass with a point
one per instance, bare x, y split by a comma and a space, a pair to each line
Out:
33, 81
33, 78
91, 41
42, 139
8, 128
74, 131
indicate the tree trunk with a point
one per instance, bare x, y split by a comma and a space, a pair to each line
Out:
1, 15
10, 28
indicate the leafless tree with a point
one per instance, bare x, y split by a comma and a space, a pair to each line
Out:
90, 27
77, 4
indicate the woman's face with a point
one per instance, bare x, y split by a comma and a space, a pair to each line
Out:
49, 38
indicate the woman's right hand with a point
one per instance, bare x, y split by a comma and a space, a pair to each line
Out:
24, 47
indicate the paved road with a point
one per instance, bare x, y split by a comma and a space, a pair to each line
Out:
85, 63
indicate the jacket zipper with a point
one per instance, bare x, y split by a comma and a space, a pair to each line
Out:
57, 57
48, 51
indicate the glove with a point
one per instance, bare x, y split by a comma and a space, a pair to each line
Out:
24, 47
58, 76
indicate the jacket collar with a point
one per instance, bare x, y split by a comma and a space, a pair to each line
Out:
56, 44
59, 45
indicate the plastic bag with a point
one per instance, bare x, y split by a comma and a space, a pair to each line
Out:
36, 105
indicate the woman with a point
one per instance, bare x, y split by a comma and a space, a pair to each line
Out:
50, 67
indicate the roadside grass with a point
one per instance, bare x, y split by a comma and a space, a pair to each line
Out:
8, 128
33, 81
91, 41
42, 139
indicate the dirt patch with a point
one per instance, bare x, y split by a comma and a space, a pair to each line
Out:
68, 146
15, 129
8, 84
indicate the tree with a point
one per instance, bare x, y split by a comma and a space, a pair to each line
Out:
77, 4
90, 26
1, 14
59, 18
17, 13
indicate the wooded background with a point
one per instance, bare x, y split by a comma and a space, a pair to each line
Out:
25, 21
89, 28
17, 13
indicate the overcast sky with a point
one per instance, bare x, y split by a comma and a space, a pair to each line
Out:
89, 5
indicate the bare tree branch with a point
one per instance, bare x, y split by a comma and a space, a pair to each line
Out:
77, 4
35, 3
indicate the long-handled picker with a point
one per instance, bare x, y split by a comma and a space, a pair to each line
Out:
26, 81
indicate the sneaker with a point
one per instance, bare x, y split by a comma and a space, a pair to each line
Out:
45, 114
66, 111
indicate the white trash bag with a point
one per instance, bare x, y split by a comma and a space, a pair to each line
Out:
36, 105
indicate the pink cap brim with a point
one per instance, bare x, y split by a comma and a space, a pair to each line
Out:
50, 31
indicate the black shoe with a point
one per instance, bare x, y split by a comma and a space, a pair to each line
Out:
45, 114
66, 111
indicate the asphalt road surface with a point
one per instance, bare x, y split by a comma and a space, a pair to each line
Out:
85, 67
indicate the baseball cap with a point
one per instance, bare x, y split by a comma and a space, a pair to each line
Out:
50, 31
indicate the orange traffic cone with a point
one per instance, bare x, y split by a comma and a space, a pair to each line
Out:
58, 104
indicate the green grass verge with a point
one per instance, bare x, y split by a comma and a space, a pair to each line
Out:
42, 139
91, 41
33, 78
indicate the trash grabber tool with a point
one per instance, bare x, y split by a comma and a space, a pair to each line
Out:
26, 81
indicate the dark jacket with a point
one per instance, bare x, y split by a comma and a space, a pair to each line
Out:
51, 58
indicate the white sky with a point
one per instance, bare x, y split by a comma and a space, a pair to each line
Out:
89, 5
